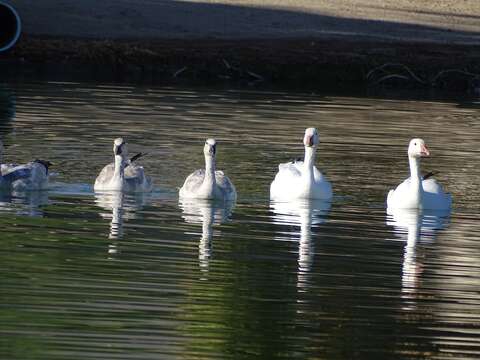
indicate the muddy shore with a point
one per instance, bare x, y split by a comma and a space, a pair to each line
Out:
323, 44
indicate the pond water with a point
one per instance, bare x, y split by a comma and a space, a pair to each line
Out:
88, 276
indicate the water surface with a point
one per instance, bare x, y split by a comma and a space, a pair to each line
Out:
91, 276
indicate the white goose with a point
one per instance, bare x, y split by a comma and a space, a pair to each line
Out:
301, 179
24, 177
208, 184
123, 174
418, 192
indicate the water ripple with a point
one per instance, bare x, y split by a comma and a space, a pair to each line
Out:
98, 276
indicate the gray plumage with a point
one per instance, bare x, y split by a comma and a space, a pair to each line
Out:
223, 184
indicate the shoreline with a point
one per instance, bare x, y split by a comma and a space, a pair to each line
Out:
306, 63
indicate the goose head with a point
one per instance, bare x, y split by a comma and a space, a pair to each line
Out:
120, 147
210, 148
311, 138
417, 148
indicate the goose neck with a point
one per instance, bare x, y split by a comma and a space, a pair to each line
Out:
209, 181
119, 166
416, 180
210, 168
414, 163
309, 160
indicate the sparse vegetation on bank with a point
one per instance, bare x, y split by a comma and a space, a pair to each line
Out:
304, 63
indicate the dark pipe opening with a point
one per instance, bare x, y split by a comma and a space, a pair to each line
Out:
10, 26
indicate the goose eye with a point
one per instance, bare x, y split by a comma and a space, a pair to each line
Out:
414, 143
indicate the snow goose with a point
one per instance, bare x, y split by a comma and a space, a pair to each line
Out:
300, 179
24, 177
208, 184
123, 174
418, 192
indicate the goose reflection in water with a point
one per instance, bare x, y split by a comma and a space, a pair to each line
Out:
306, 214
119, 207
25, 203
208, 213
415, 226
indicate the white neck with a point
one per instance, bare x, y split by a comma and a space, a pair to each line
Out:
415, 178
309, 160
119, 168
209, 180
308, 163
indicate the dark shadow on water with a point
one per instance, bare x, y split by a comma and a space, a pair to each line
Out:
7, 111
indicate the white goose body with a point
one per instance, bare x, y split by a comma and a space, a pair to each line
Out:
122, 174
208, 184
416, 192
301, 179
32, 176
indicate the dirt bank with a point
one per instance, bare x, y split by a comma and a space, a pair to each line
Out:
309, 44
307, 63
